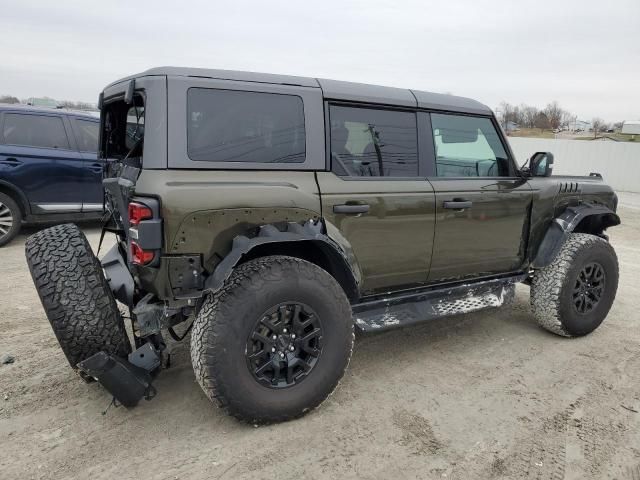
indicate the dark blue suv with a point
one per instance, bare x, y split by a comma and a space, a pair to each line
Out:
49, 170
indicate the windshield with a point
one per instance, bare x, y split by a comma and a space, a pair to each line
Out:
122, 127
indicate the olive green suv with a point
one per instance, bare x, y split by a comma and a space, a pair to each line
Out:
268, 215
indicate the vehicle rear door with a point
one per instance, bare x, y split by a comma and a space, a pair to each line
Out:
482, 206
86, 131
376, 194
39, 157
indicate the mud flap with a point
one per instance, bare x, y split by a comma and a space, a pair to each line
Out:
128, 383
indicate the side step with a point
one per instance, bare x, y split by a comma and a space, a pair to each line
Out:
423, 305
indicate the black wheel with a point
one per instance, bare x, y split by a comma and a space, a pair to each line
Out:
10, 219
274, 342
573, 295
75, 294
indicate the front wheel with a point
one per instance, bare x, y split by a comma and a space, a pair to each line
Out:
572, 296
274, 342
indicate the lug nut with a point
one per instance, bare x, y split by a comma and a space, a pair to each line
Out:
284, 331
293, 335
292, 348
275, 337
282, 354
273, 349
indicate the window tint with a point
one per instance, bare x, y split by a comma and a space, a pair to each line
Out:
237, 126
367, 142
34, 131
87, 135
467, 147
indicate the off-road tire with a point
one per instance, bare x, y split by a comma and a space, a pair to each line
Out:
9, 208
75, 295
552, 286
227, 318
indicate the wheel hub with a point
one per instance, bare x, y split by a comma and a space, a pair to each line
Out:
6, 219
589, 287
285, 345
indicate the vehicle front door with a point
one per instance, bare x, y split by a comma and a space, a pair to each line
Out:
376, 196
482, 206
39, 157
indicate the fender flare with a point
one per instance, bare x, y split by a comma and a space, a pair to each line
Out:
311, 231
566, 223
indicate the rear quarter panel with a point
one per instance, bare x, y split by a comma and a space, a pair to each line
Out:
203, 210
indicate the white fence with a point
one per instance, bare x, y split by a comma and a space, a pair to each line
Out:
618, 162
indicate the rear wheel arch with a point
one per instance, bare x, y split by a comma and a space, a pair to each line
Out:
17, 195
316, 252
307, 242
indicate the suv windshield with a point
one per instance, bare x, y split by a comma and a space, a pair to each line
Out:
122, 127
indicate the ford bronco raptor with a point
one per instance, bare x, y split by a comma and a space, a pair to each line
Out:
269, 215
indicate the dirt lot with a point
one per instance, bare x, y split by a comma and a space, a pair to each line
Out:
485, 395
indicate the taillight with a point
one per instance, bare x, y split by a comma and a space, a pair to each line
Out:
140, 256
138, 212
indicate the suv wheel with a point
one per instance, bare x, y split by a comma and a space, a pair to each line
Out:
10, 219
75, 295
274, 342
573, 295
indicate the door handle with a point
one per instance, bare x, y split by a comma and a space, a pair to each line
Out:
96, 167
351, 209
457, 204
12, 161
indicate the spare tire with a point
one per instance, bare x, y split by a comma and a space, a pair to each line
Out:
75, 294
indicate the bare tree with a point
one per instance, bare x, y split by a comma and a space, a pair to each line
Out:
8, 99
77, 105
542, 121
598, 125
529, 115
554, 114
567, 118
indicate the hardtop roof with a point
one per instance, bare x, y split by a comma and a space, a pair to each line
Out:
333, 89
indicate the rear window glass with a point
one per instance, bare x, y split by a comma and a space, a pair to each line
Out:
34, 131
238, 126
87, 135
123, 130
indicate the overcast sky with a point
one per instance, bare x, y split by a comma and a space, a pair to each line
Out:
585, 54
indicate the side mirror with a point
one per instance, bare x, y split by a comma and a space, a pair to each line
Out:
541, 164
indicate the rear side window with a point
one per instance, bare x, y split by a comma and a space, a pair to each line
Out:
87, 135
367, 142
239, 126
34, 131
467, 147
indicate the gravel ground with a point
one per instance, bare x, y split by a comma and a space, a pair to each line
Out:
483, 395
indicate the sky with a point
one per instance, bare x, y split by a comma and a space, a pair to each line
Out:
584, 54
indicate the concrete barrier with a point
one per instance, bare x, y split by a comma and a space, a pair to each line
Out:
617, 162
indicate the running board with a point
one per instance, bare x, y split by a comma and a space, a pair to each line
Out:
417, 307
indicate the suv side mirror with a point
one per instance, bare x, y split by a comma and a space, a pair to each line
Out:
541, 164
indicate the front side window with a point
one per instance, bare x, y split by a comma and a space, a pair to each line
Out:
467, 147
35, 131
368, 142
239, 126
87, 135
